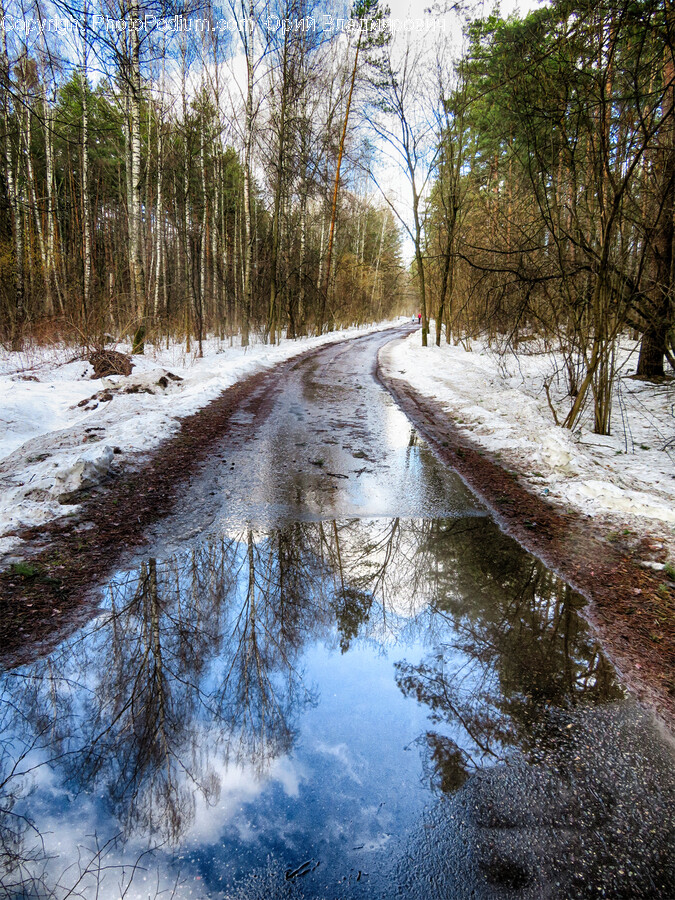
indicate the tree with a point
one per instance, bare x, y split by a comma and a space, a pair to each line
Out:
371, 39
658, 309
403, 124
12, 178
135, 209
448, 193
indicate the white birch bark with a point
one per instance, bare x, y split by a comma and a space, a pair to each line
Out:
13, 196
138, 287
159, 218
86, 201
248, 144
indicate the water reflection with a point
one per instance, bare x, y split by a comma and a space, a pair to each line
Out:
207, 679
517, 647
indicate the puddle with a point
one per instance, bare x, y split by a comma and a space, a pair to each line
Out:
274, 713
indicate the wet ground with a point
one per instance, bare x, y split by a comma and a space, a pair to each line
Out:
331, 675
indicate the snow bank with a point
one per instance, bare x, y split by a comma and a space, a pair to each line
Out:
62, 430
501, 403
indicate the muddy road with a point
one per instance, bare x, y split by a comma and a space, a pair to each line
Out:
323, 441
328, 674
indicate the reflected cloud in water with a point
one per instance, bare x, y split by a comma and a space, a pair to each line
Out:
285, 694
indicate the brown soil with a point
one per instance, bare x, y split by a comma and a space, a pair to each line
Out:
631, 608
46, 596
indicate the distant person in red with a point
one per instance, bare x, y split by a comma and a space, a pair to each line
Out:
419, 318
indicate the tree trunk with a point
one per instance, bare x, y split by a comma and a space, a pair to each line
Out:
281, 148
248, 151
419, 258
300, 314
51, 212
19, 311
135, 217
159, 219
377, 264
333, 216
201, 299
48, 304
86, 200
660, 315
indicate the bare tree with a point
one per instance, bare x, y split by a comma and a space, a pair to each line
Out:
404, 124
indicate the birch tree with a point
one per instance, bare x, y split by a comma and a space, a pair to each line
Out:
12, 188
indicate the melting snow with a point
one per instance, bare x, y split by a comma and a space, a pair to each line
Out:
61, 430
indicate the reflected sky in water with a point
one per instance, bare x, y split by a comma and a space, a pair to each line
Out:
268, 713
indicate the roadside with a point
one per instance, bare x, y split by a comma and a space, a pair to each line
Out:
626, 480
615, 548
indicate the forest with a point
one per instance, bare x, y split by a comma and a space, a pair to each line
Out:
170, 173
149, 191
551, 214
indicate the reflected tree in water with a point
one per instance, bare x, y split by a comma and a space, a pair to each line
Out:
195, 662
351, 603
20, 857
518, 648
261, 687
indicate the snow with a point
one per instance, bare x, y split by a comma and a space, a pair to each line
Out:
499, 402
61, 430
50, 447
